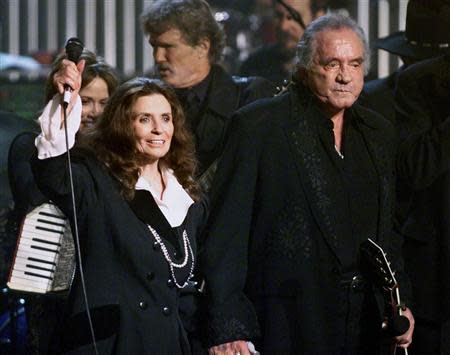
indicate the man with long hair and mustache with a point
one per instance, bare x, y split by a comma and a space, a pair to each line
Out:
187, 46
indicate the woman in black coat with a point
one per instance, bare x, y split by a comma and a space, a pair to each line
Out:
138, 213
99, 81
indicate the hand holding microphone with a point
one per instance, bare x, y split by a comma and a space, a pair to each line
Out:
68, 78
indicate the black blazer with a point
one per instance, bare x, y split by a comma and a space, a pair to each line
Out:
423, 121
271, 247
226, 94
25, 192
135, 308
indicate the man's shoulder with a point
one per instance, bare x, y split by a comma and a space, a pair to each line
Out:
228, 93
221, 79
16, 132
272, 103
253, 88
252, 82
264, 57
378, 95
22, 147
434, 68
262, 53
24, 139
373, 119
428, 64
259, 119
384, 85
374, 87
265, 112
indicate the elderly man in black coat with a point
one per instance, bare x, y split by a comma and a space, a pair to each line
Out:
305, 179
423, 119
187, 45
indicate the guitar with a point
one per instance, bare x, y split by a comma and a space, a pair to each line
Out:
376, 264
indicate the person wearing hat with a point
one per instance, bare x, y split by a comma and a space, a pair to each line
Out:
418, 42
422, 104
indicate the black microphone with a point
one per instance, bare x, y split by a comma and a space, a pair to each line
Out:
74, 48
399, 325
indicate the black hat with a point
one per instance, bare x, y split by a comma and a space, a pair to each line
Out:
427, 32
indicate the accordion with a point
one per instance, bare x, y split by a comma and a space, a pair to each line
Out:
44, 259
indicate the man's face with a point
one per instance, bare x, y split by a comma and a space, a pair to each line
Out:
177, 62
336, 76
288, 30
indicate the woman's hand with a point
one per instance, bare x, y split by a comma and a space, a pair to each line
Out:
69, 74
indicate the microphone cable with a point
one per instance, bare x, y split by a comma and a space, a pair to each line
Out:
74, 47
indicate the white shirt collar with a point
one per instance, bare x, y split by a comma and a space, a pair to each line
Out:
176, 201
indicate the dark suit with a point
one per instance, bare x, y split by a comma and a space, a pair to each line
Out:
225, 95
25, 192
10, 126
135, 308
423, 120
272, 243
378, 95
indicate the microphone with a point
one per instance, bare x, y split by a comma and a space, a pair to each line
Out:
74, 48
398, 325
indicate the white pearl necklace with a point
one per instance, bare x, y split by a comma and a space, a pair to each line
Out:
172, 265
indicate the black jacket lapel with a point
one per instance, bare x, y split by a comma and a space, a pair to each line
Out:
304, 145
222, 102
223, 95
145, 208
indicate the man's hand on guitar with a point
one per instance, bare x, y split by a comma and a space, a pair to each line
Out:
404, 340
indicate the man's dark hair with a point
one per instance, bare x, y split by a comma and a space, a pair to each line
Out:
193, 18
